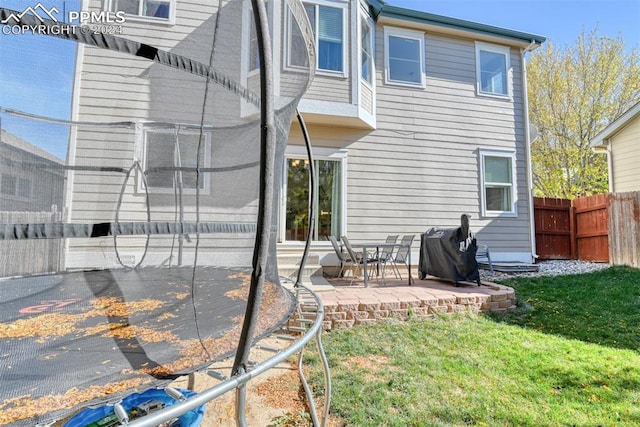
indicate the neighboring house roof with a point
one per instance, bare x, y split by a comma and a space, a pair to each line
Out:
21, 144
380, 10
601, 139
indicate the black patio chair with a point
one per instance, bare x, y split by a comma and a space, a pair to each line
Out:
402, 254
356, 259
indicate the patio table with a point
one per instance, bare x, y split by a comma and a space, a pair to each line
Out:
380, 245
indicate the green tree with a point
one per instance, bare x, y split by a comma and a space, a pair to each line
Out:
573, 94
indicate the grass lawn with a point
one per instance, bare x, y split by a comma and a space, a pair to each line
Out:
567, 357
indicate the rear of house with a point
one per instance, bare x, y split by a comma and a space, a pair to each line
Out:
423, 119
415, 119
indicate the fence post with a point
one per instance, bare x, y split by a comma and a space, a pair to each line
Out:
573, 231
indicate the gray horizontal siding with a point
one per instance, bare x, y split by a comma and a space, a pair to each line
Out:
366, 98
325, 88
625, 158
420, 167
120, 87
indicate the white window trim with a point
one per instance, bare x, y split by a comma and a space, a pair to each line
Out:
341, 4
408, 34
247, 12
319, 153
362, 17
16, 190
510, 154
503, 50
149, 19
245, 61
204, 191
274, 13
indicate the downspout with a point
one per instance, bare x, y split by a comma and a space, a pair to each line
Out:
610, 167
527, 138
609, 153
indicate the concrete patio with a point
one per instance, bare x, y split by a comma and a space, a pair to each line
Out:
348, 304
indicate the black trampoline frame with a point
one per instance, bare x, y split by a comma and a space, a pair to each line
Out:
242, 373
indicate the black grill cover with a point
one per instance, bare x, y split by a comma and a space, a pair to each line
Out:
449, 253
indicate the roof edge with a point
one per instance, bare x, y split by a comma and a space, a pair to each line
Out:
615, 126
379, 8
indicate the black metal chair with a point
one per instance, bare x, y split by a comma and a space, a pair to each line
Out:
484, 254
342, 257
402, 254
356, 259
385, 256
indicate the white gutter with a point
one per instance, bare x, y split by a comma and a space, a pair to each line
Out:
527, 125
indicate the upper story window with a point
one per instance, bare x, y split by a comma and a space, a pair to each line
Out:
162, 10
254, 53
366, 50
492, 69
328, 22
171, 158
498, 183
253, 60
404, 57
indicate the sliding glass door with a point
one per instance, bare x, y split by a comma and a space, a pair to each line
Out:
328, 183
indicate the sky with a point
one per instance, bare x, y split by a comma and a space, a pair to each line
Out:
36, 76
22, 58
560, 21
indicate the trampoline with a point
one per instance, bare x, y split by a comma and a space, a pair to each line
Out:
84, 335
138, 229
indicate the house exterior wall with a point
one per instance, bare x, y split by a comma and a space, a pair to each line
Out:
420, 167
425, 152
112, 87
36, 188
625, 156
416, 165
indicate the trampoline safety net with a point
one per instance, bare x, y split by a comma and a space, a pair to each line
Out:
132, 170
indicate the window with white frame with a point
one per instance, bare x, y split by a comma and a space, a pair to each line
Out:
170, 160
366, 49
492, 69
8, 184
498, 182
254, 54
328, 22
253, 60
404, 56
152, 9
12, 185
329, 171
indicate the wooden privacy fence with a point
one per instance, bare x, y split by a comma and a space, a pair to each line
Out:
591, 221
19, 257
600, 228
554, 228
624, 228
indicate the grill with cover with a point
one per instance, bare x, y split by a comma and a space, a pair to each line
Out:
449, 253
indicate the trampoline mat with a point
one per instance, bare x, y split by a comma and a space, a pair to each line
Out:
84, 338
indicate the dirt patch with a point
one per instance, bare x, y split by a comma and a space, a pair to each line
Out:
374, 362
275, 398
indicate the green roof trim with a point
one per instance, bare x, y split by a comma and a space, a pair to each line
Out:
380, 8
